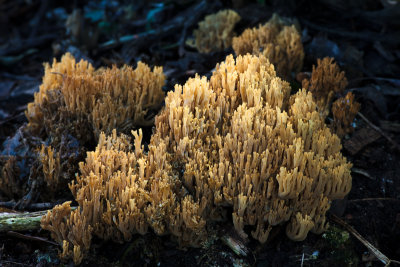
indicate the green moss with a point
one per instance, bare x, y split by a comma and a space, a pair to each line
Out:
336, 237
339, 247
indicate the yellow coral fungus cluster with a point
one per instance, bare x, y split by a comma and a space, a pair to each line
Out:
237, 142
10, 185
51, 167
344, 111
74, 105
107, 98
326, 81
68, 224
278, 42
215, 32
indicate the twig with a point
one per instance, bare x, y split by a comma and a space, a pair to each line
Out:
125, 39
180, 21
38, 17
302, 260
30, 43
28, 237
371, 199
385, 260
58, 73
33, 206
362, 172
376, 128
235, 243
10, 118
14, 263
192, 20
395, 82
366, 35
18, 77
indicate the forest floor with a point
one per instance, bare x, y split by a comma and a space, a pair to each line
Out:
362, 36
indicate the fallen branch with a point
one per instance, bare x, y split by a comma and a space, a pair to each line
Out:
21, 221
372, 199
376, 128
379, 255
369, 36
27, 44
31, 238
182, 21
192, 20
31, 207
395, 82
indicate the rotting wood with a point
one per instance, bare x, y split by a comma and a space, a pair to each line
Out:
21, 221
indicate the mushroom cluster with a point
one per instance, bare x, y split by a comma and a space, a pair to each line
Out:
278, 40
237, 143
215, 32
75, 103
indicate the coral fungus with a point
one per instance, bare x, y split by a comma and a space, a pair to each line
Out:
238, 142
215, 32
106, 98
278, 42
344, 111
326, 81
10, 184
74, 104
51, 167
